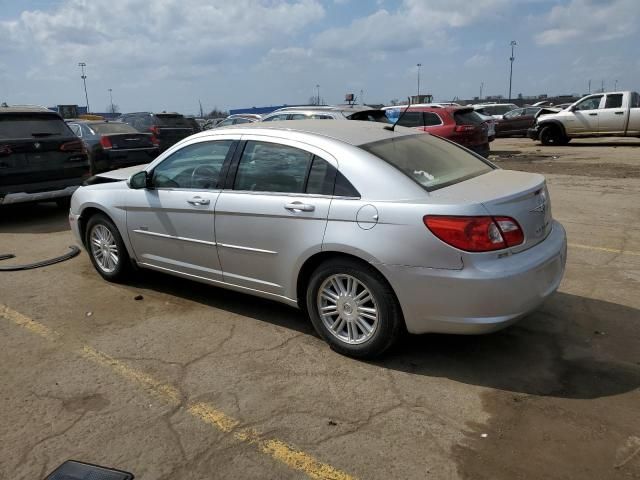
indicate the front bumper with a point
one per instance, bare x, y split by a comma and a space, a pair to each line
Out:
22, 197
533, 133
480, 298
75, 228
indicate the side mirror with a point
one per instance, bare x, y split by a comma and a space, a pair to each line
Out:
139, 180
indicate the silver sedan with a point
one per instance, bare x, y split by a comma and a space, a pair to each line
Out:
367, 229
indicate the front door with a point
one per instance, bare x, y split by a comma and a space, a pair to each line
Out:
584, 120
273, 214
171, 225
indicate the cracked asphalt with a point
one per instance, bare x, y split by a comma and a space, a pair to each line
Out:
195, 382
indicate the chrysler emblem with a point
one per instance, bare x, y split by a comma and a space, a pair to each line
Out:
36, 145
540, 208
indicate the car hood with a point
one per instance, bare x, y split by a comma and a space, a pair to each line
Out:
122, 173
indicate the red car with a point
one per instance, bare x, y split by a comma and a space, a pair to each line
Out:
458, 124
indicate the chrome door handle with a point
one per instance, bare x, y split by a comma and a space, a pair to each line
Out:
593, 114
199, 201
619, 113
300, 207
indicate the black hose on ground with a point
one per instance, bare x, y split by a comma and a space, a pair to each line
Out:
43, 263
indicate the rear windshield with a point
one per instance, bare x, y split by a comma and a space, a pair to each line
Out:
107, 128
467, 117
430, 161
173, 121
30, 125
369, 115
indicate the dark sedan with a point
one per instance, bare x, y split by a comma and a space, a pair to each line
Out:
517, 122
114, 145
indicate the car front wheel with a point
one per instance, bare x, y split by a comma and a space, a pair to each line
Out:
353, 308
106, 249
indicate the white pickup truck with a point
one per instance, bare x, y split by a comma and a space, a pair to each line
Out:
612, 114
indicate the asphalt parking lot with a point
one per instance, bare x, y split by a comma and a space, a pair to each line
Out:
197, 382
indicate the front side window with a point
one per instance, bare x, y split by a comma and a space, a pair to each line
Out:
532, 110
430, 161
591, 103
513, 113
614, 101
271, 167
196, 166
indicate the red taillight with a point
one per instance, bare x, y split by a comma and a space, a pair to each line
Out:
106, 142
73, 146
465, 128
155, 140
5, 150
475, 234
154, 130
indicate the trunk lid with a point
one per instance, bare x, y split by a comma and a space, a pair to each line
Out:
125, 141
519, 195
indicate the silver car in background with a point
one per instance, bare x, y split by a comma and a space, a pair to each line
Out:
369, 230
339, 112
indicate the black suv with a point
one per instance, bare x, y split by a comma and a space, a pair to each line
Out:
167, 128
40, 157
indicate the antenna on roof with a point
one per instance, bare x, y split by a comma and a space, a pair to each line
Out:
392, 127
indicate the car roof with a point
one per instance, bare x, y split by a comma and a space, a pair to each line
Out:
4, 108
354, 133
325, 108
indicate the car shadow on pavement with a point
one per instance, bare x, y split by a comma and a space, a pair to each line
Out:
44, 217
573, 347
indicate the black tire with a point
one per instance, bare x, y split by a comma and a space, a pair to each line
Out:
552, 135
123, 265
389, 322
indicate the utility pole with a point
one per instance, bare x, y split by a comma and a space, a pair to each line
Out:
84, 80
201, 112
113, 110
589, 86
511, 59
481, 87
419, 65
616, 86
318, 98
602, 86
361, 97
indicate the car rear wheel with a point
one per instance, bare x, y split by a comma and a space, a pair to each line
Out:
106, 249
353, 308
551, 135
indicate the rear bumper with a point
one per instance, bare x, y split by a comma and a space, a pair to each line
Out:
23, 197
480, 298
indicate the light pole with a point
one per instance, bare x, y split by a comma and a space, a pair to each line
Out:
111, 100
616, 86
481, 87
511, 59
84, 81
419, 65
318, 98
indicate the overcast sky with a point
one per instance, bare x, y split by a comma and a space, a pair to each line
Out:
168, 54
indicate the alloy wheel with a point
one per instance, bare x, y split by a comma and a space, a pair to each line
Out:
104, 248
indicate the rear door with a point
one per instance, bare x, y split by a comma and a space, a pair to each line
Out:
612, 115
274, 212
38, 152
171, 226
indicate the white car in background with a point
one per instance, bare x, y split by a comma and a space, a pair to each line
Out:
496, 110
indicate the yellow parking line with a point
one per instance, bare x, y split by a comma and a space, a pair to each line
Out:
604, 249
205, 412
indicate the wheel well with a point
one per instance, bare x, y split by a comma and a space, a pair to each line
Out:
86, 214
557, 125
314, 261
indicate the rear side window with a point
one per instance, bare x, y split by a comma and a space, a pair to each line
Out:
431, 162
108, 128
467, 117
240, 120
271, 167
635, 100
75, 128
28, 125
431, 119
411, 119
613, 101
276, 118
316, 116
322, 177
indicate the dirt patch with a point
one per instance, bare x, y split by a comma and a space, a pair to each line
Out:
541, 163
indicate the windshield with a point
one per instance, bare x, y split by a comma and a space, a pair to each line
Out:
107, 128
30, 125
432, 162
